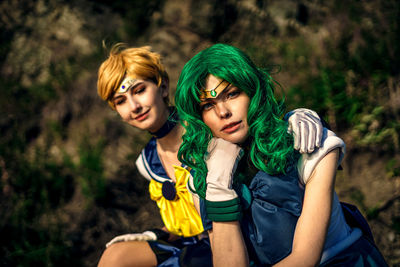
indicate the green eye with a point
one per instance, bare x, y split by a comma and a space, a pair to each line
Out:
206, 106
233, 94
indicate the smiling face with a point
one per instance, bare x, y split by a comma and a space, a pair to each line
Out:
141, 104
225, 112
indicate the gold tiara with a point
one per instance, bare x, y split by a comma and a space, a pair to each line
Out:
126, 84
213, 93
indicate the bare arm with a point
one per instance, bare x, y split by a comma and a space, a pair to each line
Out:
313, 222
223, 206
227, 245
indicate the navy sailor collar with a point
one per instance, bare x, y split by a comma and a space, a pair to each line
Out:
152, 162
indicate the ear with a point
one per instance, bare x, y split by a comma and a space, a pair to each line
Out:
164, 88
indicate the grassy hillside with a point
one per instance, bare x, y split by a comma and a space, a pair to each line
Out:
68, 181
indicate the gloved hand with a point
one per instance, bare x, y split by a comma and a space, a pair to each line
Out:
222, 202
307, 128
150, 235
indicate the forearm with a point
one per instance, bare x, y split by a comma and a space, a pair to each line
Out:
294, 260
223, 205
313, 223
228, 246
310, 233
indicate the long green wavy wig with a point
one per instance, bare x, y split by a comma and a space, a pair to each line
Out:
271, 146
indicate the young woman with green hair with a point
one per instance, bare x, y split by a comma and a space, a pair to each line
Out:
274, 206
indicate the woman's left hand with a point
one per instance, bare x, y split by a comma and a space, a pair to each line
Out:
307, 129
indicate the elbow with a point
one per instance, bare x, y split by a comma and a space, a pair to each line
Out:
311, 257
301, 258
312, 260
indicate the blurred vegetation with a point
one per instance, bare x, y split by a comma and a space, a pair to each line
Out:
91, 171
342, 60
348, 71
137, 15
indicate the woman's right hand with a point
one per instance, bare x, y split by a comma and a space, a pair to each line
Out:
223, 205
221, 159
145, 236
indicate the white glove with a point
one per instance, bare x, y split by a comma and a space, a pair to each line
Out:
221, 160
145, 236
307, 129
222, 202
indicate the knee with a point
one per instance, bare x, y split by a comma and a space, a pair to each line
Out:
126, 254
112, 256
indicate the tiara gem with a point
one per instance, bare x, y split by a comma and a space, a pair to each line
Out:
213, 93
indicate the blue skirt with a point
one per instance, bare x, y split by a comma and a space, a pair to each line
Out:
183, 252
362, 253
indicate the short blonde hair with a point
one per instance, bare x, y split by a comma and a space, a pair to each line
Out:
140, 63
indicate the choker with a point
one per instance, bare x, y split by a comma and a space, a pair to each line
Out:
168, 125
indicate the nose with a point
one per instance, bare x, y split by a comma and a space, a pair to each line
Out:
223, 110
134, 104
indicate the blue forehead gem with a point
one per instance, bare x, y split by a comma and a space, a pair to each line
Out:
123, 86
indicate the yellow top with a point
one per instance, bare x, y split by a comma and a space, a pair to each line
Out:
179, 215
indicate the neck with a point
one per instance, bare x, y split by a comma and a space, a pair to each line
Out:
168, 125
172, 141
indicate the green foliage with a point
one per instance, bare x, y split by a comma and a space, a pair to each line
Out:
393, 168
347, 80
358, 198
396, 224
38, 185
137, 14
90, 170
57, 129
372, 213
325, 93
375, 130
38, 182
33, 245
36, 188
43, 180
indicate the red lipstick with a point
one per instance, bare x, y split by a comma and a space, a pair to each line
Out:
231, 127
142, 116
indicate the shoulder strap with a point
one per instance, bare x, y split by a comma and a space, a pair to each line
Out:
308, 162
